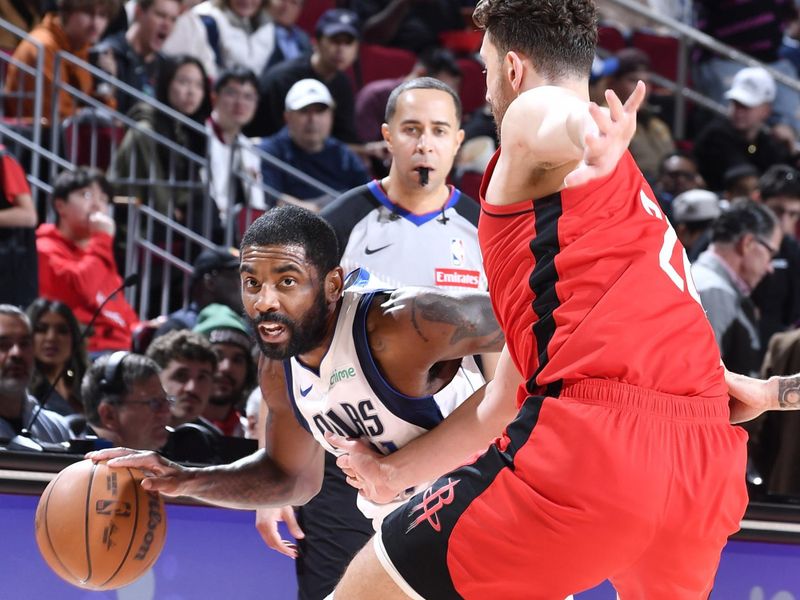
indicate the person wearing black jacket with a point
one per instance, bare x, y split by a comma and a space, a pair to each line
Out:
778, 295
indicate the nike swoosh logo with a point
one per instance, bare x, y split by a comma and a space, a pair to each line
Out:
369, 250
304, 392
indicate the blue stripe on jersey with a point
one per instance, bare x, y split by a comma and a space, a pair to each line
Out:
377, 191
422, 412
287, 368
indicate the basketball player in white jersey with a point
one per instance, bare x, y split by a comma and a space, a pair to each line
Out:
380, 363
408, 228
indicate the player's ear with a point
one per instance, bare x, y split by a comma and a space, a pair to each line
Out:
334, 284
514, 70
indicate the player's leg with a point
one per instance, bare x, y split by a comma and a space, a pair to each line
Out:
366, 578
335, 531
706, 502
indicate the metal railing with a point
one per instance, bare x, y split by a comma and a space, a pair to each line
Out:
171, 214
686, 35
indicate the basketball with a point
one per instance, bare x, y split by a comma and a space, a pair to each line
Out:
97, 528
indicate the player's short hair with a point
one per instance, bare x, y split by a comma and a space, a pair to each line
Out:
780, 180
182, 344
421, 83
295, 226
559, 37
135, 368
744, 216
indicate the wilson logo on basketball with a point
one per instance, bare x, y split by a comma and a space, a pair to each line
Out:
432, 503
152, 522
457, 278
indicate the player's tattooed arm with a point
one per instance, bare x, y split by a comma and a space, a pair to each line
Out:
460, 322
789, 392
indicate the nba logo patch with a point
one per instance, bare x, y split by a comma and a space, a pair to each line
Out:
457, 254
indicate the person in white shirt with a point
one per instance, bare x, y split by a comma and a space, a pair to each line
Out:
234, 167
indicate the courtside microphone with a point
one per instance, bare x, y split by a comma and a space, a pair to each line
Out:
132, 279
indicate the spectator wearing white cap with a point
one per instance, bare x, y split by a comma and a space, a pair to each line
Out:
742, 136
306, 144
693, 212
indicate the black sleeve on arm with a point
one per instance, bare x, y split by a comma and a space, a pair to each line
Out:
348, 209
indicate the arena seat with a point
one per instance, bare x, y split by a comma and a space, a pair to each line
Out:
473, 85
79, 131
381, 62
610, 38
312, 9
662, 50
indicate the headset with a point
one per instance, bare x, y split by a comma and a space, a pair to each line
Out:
112, 383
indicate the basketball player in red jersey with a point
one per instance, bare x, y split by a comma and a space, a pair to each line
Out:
621, 463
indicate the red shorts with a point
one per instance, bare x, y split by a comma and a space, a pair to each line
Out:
607, 481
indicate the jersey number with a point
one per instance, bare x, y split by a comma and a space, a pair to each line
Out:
668, 248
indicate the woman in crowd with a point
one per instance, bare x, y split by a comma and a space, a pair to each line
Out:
152, 171
58, 346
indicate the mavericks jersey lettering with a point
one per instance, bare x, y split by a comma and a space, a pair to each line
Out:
348, 396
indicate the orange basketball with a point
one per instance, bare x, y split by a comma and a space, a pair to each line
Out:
97, 528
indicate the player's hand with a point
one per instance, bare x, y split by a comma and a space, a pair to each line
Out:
750, 397
160, 474
605, 146
267, 520
366, 470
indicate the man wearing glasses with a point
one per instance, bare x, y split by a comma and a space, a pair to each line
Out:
744, 241
128, 407
778, 295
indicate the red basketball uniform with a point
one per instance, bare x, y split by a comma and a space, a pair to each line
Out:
621, 463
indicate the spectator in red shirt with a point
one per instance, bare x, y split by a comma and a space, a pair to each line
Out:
76, 259
18, 280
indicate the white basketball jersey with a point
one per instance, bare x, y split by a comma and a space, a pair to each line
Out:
348, 396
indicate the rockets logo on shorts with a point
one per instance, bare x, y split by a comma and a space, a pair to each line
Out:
432, 502
457, 278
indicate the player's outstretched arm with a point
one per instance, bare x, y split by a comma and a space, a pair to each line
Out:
752, 397
289, 471
465, 432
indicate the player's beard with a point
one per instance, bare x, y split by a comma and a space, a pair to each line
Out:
499, 105
304, 335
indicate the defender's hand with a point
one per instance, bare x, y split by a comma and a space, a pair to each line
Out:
605, 147
366, 470
267, 520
